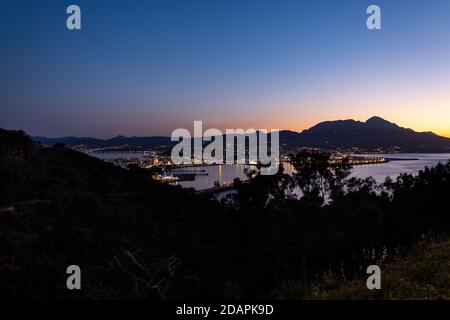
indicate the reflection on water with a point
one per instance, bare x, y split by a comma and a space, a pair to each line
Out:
220, 173
394, 168
227, 173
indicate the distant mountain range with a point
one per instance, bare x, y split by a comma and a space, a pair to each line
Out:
120, 142
374, 134
371, 135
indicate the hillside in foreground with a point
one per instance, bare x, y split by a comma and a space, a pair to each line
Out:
59, 207
424, 274
135, 238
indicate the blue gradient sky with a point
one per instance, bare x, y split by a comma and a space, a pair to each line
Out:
148, 67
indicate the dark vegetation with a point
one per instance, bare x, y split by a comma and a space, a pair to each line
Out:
422, 274
135, 238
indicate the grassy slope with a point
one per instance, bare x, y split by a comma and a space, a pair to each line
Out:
424, 274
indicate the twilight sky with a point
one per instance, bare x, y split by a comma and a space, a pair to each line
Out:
149, 67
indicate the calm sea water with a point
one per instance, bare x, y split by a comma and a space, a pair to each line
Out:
379, 172
394, 168
223, 174
227, 173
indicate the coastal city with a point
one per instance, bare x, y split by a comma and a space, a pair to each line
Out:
161, 167
224, 158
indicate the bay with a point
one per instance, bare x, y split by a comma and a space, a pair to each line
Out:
225, 174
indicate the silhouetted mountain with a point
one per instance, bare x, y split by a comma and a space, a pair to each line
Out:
119, 141
370, 135
380, 123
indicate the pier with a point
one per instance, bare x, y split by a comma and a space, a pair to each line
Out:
197, 172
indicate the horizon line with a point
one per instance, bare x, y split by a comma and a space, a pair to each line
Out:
444, 135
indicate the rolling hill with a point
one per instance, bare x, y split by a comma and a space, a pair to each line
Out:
373, 134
